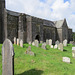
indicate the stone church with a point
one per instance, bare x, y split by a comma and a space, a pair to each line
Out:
28, 28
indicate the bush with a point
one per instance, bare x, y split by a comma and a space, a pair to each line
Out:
47, 47
40, 45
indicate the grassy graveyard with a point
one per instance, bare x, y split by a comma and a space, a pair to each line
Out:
45, 62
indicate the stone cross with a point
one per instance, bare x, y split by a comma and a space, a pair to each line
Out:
18, 42
14, 40
21, 43
7, 58
73, 52
50, 42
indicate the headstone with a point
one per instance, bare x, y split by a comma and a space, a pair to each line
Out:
47, 42
33, 43
21, 43
18, 42
44, 45
51, 46
73, 52
60, 46
41, 42
14, 40
7, 58
36, 43
50, 42
66, 59
28, 51
29, 43
55, 46
65, 42
71, 42
57, 42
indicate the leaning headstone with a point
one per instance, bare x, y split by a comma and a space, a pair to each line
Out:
28, 51
21, 43
18, 42
55, 46
44, 45
14, 40
33, 43
51, 46
73, 52
60, 46
47, 42
50, 42
36, 43
65, 42
7, 58
57, 42
66, 59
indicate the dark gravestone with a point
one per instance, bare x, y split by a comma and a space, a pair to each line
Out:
7, 58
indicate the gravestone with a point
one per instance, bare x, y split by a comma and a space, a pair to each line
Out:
66, 59
65, 42
60, 46
33, 43
47, 42
7, 58
28, 51
44, 45
14, 40
51, 46
21, 43
36, 43
50, 42
41, 42
73, 52
55, 46
18, 42
29, 43
57, 42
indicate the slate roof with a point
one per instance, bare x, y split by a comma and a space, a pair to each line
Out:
59, 24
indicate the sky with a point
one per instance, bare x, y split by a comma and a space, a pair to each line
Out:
47, 9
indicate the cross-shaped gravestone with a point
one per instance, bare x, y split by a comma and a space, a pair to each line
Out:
7, 58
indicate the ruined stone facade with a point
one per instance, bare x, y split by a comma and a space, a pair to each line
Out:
29, 28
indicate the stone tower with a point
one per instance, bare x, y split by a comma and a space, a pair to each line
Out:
2, 6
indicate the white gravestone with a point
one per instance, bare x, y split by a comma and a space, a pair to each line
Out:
66, 59
73, 52
50, 42
51, 46
14, 40
21, 43
18, 42
56, 46
65, 42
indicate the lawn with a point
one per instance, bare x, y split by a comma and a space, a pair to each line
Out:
45, 62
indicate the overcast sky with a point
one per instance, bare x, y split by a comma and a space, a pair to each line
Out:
47, 9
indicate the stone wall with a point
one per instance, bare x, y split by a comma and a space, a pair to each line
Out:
12, 25
37, 29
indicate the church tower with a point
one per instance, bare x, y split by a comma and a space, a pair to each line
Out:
2, 6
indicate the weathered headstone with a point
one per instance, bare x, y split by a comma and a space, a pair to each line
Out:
66, 59
29, 43
55, 46
33, 43
14, 40
44, 45
7, 58
47, 42
36, 43
57, 42
73, 52
51, 46
60, 46
28, 51
50, 42
41, 42
65, 42
21, 43
18, 42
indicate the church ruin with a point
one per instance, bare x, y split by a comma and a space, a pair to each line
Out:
28, 28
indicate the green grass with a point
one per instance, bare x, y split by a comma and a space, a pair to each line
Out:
46, 62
